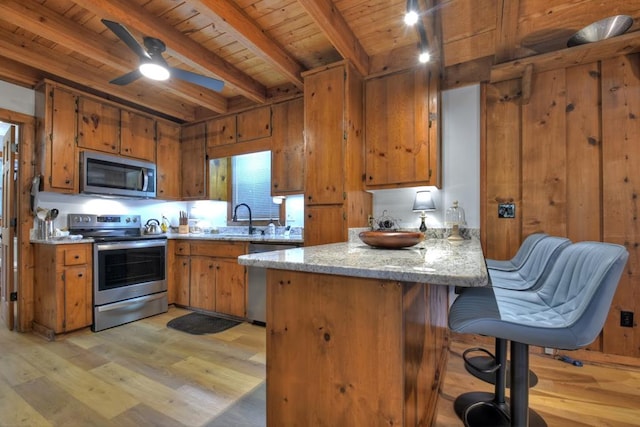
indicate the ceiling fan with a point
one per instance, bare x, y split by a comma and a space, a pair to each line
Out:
152, 64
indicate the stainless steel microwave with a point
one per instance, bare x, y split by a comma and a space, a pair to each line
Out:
116, 176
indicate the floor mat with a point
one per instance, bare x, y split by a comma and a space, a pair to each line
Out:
199, 324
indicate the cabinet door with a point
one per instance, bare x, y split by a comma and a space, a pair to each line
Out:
324, 224
168, 161
324, 133
203, 283
182, 280
219, 182
254, 124
193, 162
397, 146
137, 136
61, 157
221, 131
287, 148
77, 298
230, 288
98, 126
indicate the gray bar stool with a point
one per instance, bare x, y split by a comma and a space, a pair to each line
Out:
526, 271
567, 311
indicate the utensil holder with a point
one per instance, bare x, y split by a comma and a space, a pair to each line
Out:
183, 229
48, 229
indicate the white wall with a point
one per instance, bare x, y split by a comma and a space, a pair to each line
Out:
460, 167
17, 98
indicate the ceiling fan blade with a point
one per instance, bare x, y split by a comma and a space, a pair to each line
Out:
188, 76
124, 35
125, 79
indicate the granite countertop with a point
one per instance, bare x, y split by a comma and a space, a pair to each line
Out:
434, 261
278, 238
292, 240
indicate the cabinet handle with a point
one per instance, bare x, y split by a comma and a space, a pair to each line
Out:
67, 181
210, 266
77, 257
80, 274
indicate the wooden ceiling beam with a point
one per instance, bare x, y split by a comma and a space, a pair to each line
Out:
335, 28
235, 22
584, 54
46, 23
180, 45
18, 73
507, 14
37, 56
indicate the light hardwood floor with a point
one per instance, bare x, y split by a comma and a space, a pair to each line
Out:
145, 374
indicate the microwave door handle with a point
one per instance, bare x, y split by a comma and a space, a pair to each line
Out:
145, 179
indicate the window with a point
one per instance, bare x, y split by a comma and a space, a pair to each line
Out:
251, 184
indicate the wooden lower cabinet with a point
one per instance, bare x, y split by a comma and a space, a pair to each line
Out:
208, 277
62, 287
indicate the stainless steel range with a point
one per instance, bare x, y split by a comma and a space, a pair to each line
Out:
129, 268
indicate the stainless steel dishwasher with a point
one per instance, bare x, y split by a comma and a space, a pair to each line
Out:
257, 292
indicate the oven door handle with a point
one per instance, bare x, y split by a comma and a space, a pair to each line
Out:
131, 244
132, 301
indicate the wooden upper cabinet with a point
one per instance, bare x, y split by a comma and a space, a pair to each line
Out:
55, 110
168, 161
402, 129
221, 131
98, 126
287, 148
219, 170
324, 103
137, 136
193, 162
254, 124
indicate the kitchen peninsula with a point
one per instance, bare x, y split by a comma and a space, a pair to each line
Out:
358, 335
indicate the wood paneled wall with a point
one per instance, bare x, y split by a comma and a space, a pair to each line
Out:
569, 158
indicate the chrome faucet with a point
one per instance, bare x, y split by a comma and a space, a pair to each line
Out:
235, 216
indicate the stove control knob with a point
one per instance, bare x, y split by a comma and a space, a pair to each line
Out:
86, 219
127, 220
135, 220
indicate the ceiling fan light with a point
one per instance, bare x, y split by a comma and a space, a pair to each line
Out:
424, 57
411, 17
154, 71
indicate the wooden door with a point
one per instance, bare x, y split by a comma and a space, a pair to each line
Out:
7, 281
397, 138
98, 126
287, 148
182, 277
168, 161
193, 162
221, 131
324, 224
138, 136
77, 298
325, 134
230, 287
254, 124
203, 286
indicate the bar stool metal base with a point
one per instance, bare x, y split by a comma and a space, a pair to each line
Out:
479, 409
481, 368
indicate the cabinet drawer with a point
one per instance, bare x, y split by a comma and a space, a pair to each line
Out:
221, 250
182, 248
75, 255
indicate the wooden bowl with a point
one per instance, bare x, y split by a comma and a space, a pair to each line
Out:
391, 239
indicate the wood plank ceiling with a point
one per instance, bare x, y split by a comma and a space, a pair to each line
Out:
259, 48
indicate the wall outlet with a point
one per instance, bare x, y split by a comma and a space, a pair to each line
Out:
549, 351
506, 210
626, 319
